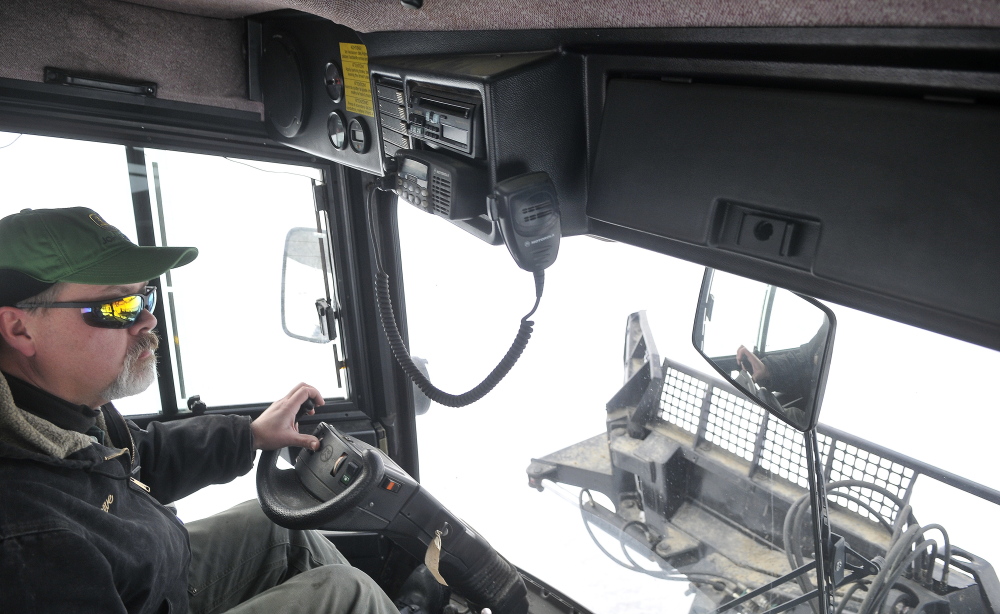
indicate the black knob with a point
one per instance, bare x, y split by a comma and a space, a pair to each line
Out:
196, 405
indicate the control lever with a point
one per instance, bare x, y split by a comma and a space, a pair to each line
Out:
304, 409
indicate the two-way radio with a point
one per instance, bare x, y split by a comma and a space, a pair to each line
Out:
525, 208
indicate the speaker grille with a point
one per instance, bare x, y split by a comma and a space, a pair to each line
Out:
536, 213
441, 195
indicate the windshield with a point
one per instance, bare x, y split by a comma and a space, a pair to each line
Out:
902, 388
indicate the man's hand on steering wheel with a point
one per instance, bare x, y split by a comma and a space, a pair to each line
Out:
757, 369
277, 428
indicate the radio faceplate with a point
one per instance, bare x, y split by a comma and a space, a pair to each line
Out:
447, 118
485, 110
442, 185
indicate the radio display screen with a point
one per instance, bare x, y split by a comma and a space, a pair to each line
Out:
414, 168
458, 135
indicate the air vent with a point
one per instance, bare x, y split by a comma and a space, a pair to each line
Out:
392, 116
441, 195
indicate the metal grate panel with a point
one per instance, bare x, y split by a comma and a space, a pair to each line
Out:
784, 453
733, 423
717, 413
853, 463
681, 400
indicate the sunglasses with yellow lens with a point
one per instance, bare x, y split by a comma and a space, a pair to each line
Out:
120, 312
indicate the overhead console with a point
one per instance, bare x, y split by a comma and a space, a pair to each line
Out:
475, 120
893, 197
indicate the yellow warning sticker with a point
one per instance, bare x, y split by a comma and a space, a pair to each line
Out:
357, 86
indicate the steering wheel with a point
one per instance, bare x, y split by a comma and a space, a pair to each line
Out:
762, 394
287, 502
327, 485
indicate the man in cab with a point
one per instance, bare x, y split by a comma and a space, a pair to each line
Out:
83, 522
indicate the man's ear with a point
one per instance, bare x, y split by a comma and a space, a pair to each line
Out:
15, 330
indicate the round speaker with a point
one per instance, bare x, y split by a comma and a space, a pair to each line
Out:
282, 87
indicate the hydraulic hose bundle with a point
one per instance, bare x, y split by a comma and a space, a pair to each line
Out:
909, 552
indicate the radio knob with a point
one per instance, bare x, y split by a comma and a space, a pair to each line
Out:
358, 135
334, 82
337, 130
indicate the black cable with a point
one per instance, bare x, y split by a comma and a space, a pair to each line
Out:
847, 596
264, 170
12, 142
791, 530
398, 346
901, 519
903, 552
372, 225
695, 577
873, 600
586, 525
883, 590
795, 512
947, 554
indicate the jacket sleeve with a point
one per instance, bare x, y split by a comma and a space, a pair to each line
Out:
794, 371
55, 571
181, 457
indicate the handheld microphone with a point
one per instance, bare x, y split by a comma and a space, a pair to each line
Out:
526, 208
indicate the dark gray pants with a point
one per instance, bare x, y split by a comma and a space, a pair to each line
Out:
242, 563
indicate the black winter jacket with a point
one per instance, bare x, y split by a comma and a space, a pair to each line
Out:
89, 533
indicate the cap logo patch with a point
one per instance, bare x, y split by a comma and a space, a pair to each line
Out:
97, 219
116, 234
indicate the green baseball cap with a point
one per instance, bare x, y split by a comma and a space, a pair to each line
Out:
39, 247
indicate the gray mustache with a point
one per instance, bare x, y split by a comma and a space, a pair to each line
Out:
148, 341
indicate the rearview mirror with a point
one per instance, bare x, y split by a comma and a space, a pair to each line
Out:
772, 344
303, 278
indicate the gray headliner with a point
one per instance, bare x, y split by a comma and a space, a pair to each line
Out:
194, 49
390, 15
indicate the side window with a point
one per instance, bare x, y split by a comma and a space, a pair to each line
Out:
223, 327
227, 341
792, 323
39, 172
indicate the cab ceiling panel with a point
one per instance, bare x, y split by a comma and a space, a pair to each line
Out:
188, 58
451, 15
897, 199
